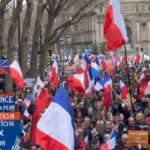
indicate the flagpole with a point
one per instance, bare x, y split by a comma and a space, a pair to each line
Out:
126, 60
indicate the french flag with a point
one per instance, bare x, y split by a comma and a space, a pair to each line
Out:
77, 83
119, 64
144, 90
16, 74
107, 91
112, 57
104, 65
89, 81
42, 100
92, 58
55, 129
99, 85
114, 26
95, 71
124, 90
85, 62
54, 75
147, 90
138, 59
111, 68
143, 79
111, 143
93, 76
27, 101
4, 67
76, 59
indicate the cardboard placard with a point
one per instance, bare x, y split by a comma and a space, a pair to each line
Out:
136, 137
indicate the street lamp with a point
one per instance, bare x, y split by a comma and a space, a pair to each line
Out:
61, 49
68, 40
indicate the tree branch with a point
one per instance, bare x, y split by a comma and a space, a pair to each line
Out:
69, 21
2, 5
74, 21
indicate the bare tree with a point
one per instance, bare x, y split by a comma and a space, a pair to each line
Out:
3, 4
10, 40
25, 36
37, 28
52, 32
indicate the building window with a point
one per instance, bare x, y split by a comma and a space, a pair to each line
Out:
137, 8
148, 7
129, 33
143, 24
101, 9
142, 8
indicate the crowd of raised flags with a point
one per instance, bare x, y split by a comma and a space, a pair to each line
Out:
52, 125
52, 120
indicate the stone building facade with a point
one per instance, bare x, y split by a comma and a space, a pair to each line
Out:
136, 13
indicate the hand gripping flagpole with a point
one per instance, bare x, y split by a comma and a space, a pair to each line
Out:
126, 60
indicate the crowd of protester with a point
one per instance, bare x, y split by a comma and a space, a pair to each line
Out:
96, 122
93, 122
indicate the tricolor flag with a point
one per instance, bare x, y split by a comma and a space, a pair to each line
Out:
55, 129
99, 85
27, 101
16, 74
138, 59
54, 75
144, 90
124, 90
76, 83
107, 91
143, 79
111, 143
114, 27
4, 67
147, 90
104, 65
76, 59
95, 71
42, 101
85, 62
112, 57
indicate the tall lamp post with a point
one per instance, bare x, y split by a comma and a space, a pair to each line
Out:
68, 39
61, 51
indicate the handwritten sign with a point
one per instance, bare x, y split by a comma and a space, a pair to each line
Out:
10, 131
136, 137
7, 102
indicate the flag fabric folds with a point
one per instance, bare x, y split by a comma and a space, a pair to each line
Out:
55, 129
16, 74
99, 85
54, 75
4, 67
124, 90
138, 59
85, 63
144, 90
114, 27
42, 101
107, 91
111, 143
76, 83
